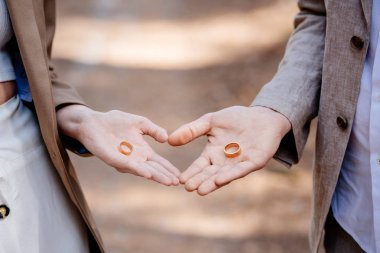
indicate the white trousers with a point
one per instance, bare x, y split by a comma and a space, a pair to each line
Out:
41, 219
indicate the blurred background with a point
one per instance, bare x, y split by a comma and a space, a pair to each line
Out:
172, 61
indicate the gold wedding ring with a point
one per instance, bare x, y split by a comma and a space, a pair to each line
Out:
232, 150
125, 148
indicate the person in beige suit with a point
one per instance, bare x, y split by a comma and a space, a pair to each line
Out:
331, 69
42, 207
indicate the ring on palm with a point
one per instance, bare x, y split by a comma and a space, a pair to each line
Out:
232, 150
125, 148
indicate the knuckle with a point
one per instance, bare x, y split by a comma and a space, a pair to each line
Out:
208, 117
114, 112
155, 131
193, 130
235, 107
142, 121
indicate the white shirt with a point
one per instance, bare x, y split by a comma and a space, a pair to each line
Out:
6, 68
356, 201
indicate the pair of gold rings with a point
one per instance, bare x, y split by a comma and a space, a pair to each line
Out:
231, 150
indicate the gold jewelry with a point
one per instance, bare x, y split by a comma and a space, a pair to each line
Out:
125, 148
232, 150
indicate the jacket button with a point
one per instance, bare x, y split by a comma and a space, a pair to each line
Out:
342, 122
4, 212
357, 42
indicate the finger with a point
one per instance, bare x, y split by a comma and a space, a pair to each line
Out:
153, 130
166, 164
191, 131
194, 182
208, 186
196, 167
240, 170
158, 176
160, 168
127, 166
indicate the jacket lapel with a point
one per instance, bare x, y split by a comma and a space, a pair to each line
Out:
367, 10
34, 60
33, 57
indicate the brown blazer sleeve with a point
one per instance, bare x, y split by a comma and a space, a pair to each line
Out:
63, 93
295, 89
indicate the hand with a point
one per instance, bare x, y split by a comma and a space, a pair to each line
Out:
258, 130
101, 133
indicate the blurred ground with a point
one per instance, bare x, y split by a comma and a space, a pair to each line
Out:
172, 61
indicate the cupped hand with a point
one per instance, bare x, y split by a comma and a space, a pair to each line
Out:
102, 133
258, 130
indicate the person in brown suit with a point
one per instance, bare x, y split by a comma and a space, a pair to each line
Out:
331, 69
42, 207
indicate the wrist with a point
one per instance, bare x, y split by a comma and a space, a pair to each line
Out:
70, 119
275, 118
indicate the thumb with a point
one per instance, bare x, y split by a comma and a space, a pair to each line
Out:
191, 131
153, 130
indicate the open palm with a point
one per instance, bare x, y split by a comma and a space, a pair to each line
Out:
102, 133
255, 129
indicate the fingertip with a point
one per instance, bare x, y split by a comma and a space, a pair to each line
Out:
155, 131
171, 141
174, 139
181, 136
182, 179
202, 193
162, 136
190, 186
189, 190
175, 182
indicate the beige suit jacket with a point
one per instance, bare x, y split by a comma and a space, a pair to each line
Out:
320, 75
34, 24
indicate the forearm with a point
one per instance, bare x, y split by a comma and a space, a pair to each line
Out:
71, 117
294, 90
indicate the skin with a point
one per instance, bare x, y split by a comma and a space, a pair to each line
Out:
258, 130
7, 91
102, 132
